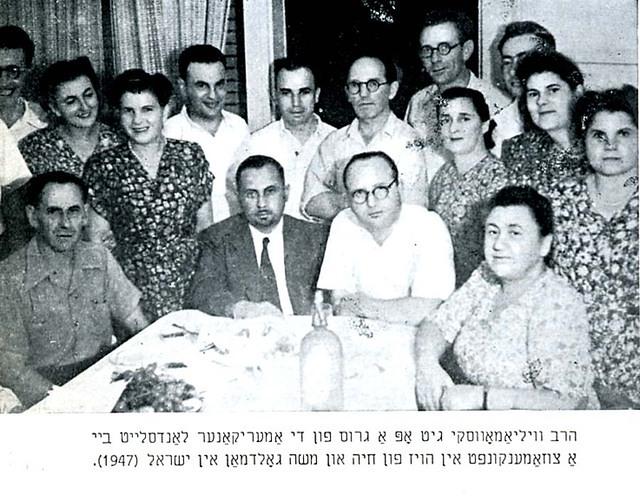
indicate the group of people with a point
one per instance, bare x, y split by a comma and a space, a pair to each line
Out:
505, 227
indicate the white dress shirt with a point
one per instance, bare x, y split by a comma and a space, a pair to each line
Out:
29, 122
222, 150
276, 256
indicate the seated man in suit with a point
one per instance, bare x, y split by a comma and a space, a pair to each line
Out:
258, 262
385, 259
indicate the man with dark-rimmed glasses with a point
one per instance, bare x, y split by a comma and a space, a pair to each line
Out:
385, 259
445, 46
370, 85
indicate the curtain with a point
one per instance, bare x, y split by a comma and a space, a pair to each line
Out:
150, 34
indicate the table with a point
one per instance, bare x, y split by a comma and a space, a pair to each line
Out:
379, 371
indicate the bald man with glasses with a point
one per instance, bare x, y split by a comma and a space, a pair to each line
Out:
385, 259
370, 86
446, 46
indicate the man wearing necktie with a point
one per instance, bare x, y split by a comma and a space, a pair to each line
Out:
260, 262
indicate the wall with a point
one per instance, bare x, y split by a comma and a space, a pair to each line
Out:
600, 35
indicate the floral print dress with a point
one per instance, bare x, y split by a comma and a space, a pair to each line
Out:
458, 199
539, 341
600, 259
153, 220
46, 150
534, 159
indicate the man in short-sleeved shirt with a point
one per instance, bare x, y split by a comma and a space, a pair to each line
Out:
385, 259
371, 84
60, 296
222, 135
294, 139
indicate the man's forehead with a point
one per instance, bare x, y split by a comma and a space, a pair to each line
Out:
295, 79
61, 195
370, 171
366, 68
521, 44
262, 177
438, 33
206, 71
11, 56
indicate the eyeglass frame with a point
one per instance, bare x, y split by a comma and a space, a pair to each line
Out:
12, 68
444, 51
382, 189
372, 86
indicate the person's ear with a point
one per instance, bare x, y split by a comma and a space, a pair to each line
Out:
545, 246
467, 50
31, 216
579, 91
182, 85
316, 96
393, 90
165, 113
286, 192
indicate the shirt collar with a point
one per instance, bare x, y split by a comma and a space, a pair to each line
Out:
186, 116
388, 129
38, 266
258, 235
283, 129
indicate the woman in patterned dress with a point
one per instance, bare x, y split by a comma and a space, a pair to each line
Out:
70, 89
519, 331
548, 151
596, 241
461, 186
153, 193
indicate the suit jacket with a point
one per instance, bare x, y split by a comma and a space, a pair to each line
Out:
228, 272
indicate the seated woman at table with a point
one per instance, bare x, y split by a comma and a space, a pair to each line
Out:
153, 193
596, 241
519, 332
70, 89
548, 151
460, 187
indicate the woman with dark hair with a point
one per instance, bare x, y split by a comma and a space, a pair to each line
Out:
519, 332
460, 186
70, 89
153, 193
547, 151
596, 241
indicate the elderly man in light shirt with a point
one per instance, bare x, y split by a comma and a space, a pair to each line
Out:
384, 259
293, 139
519, 38
370, 86
16, 55
446, 46
222, 135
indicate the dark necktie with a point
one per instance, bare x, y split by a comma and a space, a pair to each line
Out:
269, 285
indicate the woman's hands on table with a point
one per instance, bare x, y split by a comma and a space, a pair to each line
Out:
432, 383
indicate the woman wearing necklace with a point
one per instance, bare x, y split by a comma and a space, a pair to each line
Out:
461, 186
153, 193
71, 92
548, 151
519, 331
596, 244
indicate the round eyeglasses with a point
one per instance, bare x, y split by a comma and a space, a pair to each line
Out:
12, 71
426, 51
354, 87
379, 193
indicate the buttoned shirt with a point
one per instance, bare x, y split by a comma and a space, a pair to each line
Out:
397, 139
416, 259
422, 111
222, 151
13, 168
29, 122
54, 315
276, 141
276, 256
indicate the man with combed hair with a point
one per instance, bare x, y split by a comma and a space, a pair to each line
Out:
16, 55
61, 297
222, 135
371, 84
260, 262
446, 45
293, 139
385, 260
519, 38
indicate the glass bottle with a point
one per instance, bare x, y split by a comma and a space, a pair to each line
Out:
321, 365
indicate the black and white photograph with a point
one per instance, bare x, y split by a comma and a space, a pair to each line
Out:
348, 213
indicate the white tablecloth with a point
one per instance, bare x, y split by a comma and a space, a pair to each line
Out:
378, 365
